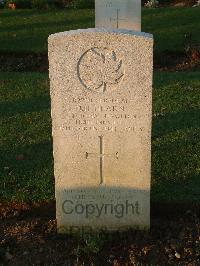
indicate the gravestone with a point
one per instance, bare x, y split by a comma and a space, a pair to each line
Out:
101, 93
123, 14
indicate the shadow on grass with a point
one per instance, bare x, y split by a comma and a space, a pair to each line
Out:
27, 172
175, 121
17, 13
21, 106
35, 157
67, 22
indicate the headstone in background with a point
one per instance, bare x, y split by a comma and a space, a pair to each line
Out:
101, 89
120, 14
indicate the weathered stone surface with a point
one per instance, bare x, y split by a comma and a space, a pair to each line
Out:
101, 92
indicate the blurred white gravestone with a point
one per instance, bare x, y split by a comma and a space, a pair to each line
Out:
120, 14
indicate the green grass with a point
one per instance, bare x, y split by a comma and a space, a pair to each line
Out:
26, 129
28, 30
169, 26
176, 136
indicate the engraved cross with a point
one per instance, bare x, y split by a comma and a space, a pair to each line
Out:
117, 19
101, 156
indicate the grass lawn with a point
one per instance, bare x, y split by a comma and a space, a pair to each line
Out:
26, 163
28, 30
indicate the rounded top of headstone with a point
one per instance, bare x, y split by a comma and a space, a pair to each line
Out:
101, 30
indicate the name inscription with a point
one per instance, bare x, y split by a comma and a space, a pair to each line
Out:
92, 114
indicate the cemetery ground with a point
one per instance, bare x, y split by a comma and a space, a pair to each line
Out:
27, 225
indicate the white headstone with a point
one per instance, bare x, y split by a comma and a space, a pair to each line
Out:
101, 87
120, 14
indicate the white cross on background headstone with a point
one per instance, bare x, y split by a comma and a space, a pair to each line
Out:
117, 19
123, 14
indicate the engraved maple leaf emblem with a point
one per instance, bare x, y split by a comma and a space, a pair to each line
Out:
100, 69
